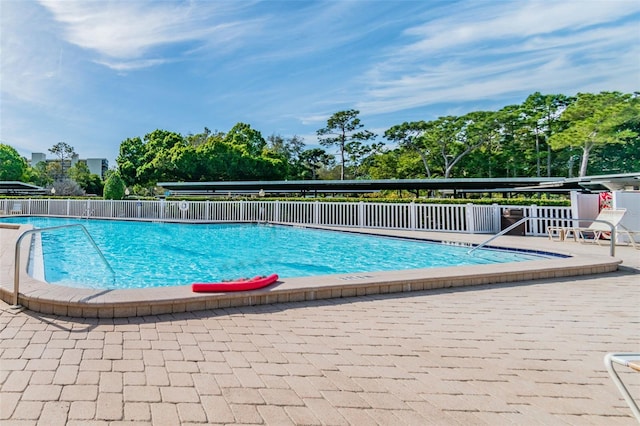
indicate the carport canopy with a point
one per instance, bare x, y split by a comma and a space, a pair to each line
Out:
10, 187
493, 185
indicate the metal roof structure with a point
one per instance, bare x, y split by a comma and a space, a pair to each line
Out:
615, 182
12, 187
308, 187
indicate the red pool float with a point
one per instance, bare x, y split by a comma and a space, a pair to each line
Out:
239, 285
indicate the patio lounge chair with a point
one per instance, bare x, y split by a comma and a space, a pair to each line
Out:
597, 229
16, 209
631, 360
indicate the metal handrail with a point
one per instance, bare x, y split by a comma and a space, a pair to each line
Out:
16, 272
612, 249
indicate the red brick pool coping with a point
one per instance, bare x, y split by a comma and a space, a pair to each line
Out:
90, 303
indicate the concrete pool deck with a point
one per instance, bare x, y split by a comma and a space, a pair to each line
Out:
525, 353
79, 302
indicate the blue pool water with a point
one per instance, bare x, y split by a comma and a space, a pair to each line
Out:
145, 254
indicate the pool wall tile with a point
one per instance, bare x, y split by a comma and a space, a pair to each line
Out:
46, 308
106, 312
90, 312
296, 297
160, 309
198, 305
348, 292
212, 303
371, 290
74, 311
60, 309
143, 310
323, 294
33, 305
179, 307
124, 311
395, 288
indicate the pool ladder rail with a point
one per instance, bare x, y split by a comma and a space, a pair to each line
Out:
612, 249
16, 272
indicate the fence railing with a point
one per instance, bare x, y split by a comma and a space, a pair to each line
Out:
464, 218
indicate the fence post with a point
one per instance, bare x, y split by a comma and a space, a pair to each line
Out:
241, 210
68, 206
316, 212
360, 214
412, 216
470, 217
496, 218
533, 212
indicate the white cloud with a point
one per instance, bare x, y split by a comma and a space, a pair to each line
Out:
519, 48
314, 119
32, 58
131, 65
509, 20
126, 34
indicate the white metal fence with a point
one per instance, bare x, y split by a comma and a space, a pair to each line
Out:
466, 218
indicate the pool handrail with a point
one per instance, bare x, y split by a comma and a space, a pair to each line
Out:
612, 249
16, 272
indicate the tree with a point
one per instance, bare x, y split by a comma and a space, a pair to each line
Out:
409, 136
595, 120
68, 187
510, 153
399, 163
290, 150
480, 130
470, 132
12, 165
357, 153
160, 147
146, 162
200, 138
88, 181
343, 127
130, 158
540, 114
314, 159
248, 139
63, 151
38, 175
114, 187
443, 138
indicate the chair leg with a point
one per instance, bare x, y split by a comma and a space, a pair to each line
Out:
608, 362
573, 233
631, 236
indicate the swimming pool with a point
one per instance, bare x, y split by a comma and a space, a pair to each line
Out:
145, 254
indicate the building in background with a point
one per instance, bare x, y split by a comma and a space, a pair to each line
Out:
97, 166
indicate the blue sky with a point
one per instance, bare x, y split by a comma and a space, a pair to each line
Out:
93, 73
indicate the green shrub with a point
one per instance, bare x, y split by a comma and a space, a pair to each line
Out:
114, 187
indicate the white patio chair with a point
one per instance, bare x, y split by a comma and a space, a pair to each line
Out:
16, 209
596, 230
631, 360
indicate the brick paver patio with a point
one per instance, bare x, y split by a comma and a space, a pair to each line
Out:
528, 354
